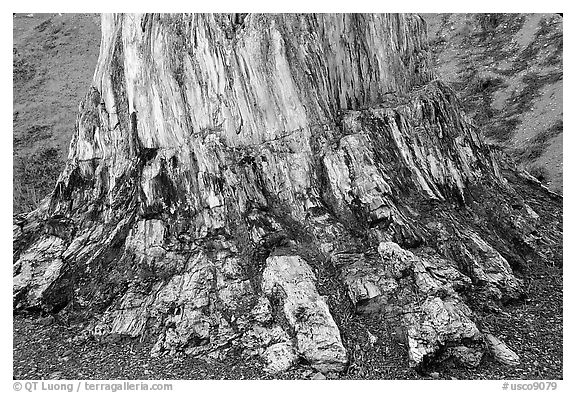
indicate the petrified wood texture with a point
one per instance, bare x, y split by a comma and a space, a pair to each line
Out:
224, 164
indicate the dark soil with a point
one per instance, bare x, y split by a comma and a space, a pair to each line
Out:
41, 351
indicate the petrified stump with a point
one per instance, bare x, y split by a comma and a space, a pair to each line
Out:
224, 164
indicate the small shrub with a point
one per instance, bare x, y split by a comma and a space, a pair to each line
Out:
34, 177
539, 172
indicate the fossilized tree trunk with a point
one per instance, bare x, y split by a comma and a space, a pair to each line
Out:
235, 178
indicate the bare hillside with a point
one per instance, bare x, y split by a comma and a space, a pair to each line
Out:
54, 57
507, 69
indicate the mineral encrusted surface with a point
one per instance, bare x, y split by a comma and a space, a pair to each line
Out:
225, 168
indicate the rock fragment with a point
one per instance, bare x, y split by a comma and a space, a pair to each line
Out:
280, 357
501, 352
290, 279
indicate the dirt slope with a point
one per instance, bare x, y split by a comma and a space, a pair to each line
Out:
507, 69
498, 83
54, 57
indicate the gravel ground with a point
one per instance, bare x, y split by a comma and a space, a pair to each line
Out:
532, 328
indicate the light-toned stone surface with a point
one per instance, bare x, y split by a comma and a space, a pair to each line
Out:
291, 279
280, 357
501, 351
439, 322
422, 290
37, 269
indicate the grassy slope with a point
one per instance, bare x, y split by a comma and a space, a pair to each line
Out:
54, 58
507, 69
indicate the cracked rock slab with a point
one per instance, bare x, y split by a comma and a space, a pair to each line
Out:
280, 357
440, 323
37, 269
422, 290
501, 352
291, 280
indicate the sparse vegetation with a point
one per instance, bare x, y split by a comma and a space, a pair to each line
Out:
537, 146
46, 93
35, 177
538, 172
507, 69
